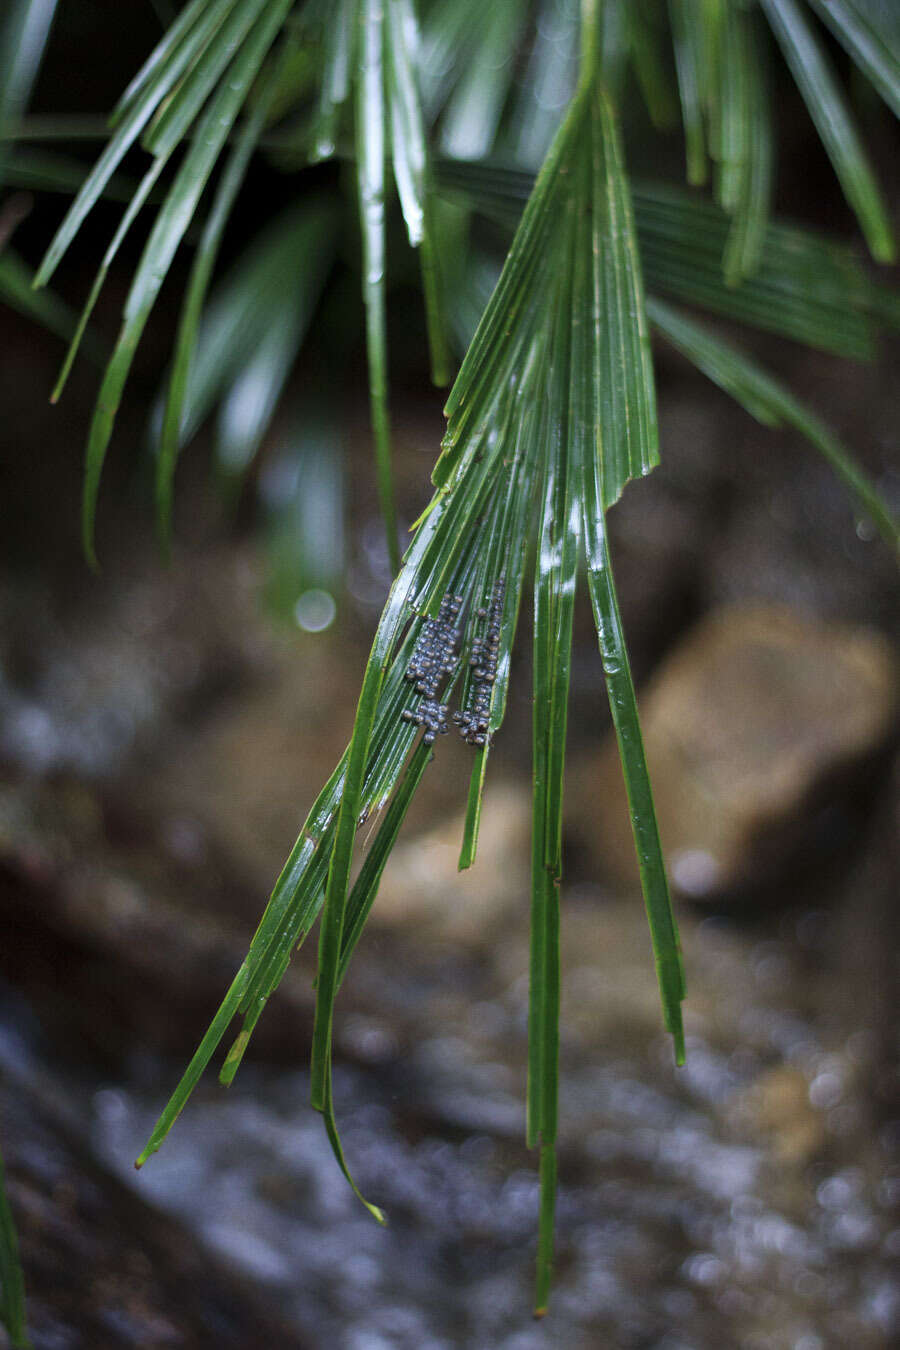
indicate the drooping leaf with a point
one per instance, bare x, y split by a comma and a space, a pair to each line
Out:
183, 106
646, 42
623, 704
554, 598
138, 200
172, 221
522, 413
768, 400
189, 322
299, 243
747, 150
334, 89
168, 44
135, 115
627, 408
370, 172
24, 29
409, 151
827, 106
748, 231
806, 286
870, 32
684, 17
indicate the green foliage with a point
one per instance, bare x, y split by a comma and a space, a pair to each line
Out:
553, 410
810, 67
807, 287
12, 1285
768, 401
870, 32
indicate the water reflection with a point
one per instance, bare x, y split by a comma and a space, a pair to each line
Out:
672, 1233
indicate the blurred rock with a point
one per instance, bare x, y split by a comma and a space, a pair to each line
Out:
103, 1267
758, 716
116, 930
423, 887
777, 1106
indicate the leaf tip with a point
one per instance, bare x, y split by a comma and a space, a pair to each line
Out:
884, 250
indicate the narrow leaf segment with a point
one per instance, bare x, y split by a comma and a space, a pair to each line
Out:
767, 399
192, 87
12, 1284
827, 106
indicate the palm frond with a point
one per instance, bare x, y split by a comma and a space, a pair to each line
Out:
807, 286
241, 308
374, 47
371, 127
151, 87
336, 75
685, 19
766, 399
870, 32
412, 171
23, 36
192, 306
827, 107
747, 149
553, 410
192, 89
172, 221
521, 418
648, 52
197, 79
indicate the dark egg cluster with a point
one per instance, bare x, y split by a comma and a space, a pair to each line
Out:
434, 657
473, 720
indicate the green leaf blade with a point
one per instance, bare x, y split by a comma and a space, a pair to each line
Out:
624, 365
192, 306
186, 101
337, 63
173, 220
683, 17
623, 705
370, 152
125, 135
412, 171
815, 79
767, 400
871, 34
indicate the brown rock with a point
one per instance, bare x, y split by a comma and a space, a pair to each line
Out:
748, 719
102, 1266
423, 886
777, 1106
